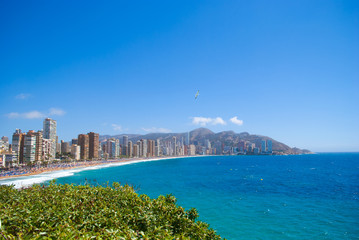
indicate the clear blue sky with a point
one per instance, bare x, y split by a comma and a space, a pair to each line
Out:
284, 69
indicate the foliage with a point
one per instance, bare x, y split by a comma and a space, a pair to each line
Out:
100, 212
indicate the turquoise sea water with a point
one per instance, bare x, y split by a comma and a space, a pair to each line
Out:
253, 197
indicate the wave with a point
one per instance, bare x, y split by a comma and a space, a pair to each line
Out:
25, 181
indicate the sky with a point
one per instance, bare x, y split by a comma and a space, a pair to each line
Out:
284, 69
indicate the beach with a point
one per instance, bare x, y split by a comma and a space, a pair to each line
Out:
30, 171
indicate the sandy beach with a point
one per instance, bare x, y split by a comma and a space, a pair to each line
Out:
29, 171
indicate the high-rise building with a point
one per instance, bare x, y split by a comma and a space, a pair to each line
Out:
191, 150
93, 145
49, 132
58, 147
4, 144
144, 147
83, 142
39, 146
125, 150
46, 149
130, 149
115, 148
65, 147
174, 145
140, 148
187, 139
18, 147
100, 152
75, 151
136, 151
74, 141
104, 147
125, 140
118, 149
61, 147
157, 150
207, 144
250, 147
263, 146
242, 146
29, 147
108, 146
150, 148
269, 146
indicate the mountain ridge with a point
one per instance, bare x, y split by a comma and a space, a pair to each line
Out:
199, 135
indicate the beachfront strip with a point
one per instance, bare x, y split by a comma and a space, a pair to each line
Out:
42, 147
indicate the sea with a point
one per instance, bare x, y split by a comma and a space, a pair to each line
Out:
312, 196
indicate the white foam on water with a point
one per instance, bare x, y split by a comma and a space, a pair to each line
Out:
25, 181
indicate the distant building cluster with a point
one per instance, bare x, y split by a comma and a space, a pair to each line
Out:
249, 148
30, 147
144, 148
43, 146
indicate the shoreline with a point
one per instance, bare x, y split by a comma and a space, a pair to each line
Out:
84, 164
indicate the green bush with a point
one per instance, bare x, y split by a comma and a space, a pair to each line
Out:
99, 212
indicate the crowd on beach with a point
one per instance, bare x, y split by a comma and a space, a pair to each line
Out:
31, 170
37, 169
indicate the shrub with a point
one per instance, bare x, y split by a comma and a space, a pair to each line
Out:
100, 212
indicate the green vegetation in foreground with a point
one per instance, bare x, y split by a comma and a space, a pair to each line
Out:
100, 212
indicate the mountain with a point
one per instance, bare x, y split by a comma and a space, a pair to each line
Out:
226, 138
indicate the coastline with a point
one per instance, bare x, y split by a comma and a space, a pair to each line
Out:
82, 166
33, 171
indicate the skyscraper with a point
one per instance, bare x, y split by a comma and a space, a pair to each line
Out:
65, 147
118, 150
29, 147
130, 149
18, 146
125, 150
242, 146
49, 132
144, 148
39, 146
4, 144
93, 145
83, 142
136, 151
125, 140
157, 151
46, 149
263, 146
174, 146
150, 147
75, 151
114, 147
269, 146
140, 148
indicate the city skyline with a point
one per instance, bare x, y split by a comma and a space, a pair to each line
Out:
287, 70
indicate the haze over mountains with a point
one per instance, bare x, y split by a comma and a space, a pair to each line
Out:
199, 135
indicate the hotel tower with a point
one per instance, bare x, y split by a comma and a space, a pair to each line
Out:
50, 133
